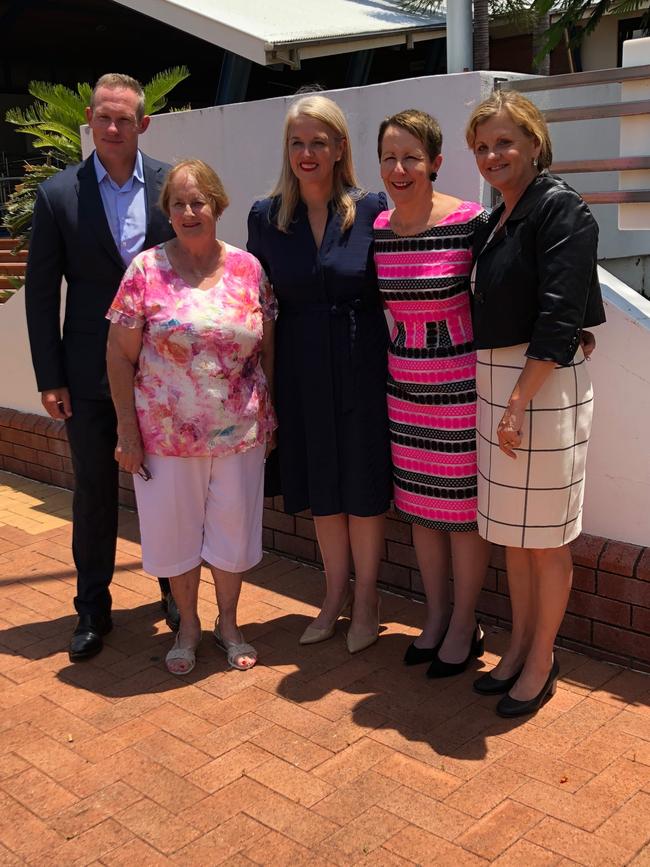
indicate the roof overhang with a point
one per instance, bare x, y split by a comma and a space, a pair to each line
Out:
288, 31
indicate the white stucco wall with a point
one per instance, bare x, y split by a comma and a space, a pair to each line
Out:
600, 48
17, 384
243, 143
617, 496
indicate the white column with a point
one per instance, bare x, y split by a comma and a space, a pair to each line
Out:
635, 137
459, 35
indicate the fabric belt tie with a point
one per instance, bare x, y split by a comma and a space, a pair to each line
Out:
349, 309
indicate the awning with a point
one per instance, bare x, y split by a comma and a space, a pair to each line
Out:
288, 31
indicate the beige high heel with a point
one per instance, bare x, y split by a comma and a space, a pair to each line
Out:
316, 634
357, 641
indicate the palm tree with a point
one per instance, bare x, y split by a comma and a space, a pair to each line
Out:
541, 58
586, 13
53, 122
481, 34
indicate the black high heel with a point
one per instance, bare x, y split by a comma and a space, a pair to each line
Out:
489, 685
439, 668
511, 707
417, 655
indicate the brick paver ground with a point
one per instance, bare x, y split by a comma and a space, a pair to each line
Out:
313, 758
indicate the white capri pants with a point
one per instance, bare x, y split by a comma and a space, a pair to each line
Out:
204, 508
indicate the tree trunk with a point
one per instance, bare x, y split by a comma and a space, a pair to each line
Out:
540, 28
481, 35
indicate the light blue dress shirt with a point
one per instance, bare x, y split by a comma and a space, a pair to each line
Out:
125, 208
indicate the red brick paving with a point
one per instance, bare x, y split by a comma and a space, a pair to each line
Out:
313, 758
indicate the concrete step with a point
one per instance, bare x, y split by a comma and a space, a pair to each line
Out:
7, 243
7, 256
16, 269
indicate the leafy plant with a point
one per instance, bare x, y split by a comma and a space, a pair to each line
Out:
581, 17
53, 122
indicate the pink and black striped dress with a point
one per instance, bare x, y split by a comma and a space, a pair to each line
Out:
424, 281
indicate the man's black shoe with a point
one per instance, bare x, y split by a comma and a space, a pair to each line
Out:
173, 618
87, 638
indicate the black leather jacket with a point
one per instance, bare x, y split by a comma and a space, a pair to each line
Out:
536, 280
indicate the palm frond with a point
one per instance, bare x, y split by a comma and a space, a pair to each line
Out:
70, 134
30, 116
155, 92
55, 144
85, 92
18, 210
517, 12
422, 7
58, 96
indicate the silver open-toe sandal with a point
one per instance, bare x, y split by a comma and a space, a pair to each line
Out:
234, 649
187, 654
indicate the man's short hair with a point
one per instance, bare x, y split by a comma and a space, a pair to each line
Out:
119, 79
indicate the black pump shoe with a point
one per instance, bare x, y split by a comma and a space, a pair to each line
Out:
511, 707
439, 668
417, 655
489, 685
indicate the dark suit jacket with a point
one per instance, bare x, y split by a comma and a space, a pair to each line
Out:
536, 280
71, 239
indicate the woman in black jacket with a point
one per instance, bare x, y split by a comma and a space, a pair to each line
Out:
535, 289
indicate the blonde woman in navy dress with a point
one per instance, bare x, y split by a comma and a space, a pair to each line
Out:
536, 288
314, 239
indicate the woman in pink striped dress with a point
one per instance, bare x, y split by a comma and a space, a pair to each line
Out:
423, 259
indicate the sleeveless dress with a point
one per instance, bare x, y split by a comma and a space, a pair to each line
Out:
424, 281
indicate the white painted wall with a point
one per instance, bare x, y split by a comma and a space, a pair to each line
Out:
18, 384
617, 496
243, 143
599, 50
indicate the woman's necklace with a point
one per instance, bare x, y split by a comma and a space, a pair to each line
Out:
197, 271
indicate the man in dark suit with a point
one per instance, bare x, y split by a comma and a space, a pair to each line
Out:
89, 222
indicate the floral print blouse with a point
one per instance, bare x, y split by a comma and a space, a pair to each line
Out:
199, 384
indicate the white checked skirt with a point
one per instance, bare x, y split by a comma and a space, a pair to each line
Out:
534, 501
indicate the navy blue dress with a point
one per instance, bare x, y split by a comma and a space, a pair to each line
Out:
330, 361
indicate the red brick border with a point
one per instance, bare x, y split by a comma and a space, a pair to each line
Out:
37, 447
609, 610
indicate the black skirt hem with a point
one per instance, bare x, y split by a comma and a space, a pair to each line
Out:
445, 526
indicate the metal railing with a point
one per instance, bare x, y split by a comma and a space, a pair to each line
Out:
7, 186
594, 112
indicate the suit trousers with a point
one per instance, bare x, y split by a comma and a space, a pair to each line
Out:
92, 435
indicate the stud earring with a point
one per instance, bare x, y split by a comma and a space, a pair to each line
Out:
535, 162
433, 176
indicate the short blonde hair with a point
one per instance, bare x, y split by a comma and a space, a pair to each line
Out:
115, 80
207, 180
345, 190
521, 111
420, 125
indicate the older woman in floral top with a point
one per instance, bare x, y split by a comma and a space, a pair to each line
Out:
190, 367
